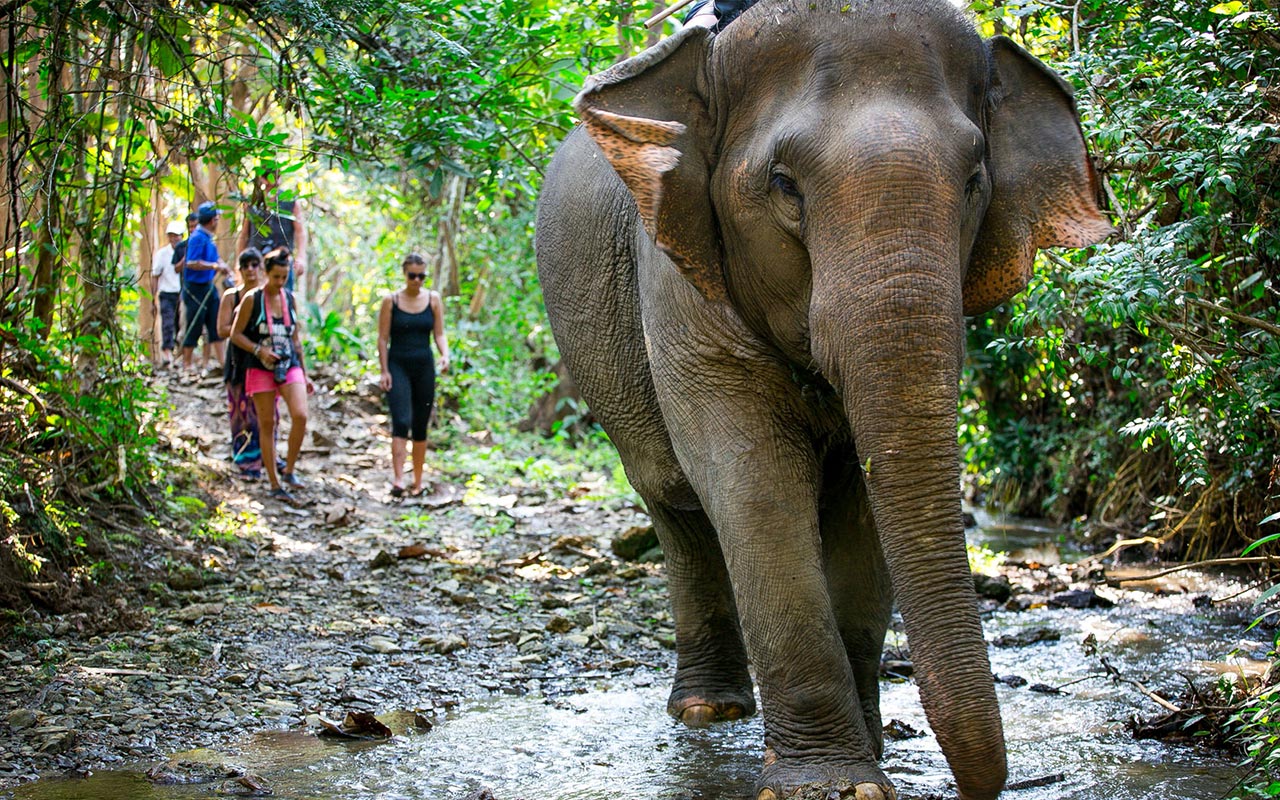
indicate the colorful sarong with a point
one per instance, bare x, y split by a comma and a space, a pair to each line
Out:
246, 450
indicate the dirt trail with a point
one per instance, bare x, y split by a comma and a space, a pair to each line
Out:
323, 611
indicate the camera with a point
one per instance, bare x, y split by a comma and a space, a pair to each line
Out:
281, 370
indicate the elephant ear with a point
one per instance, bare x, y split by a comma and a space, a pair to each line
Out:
1044, 189
649, 117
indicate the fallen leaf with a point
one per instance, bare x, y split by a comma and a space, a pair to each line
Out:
272, 608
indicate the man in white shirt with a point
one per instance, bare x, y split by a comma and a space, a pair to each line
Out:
166, 290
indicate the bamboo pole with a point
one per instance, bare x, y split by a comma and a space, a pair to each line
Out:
658, 19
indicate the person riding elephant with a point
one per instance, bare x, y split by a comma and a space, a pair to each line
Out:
757, 253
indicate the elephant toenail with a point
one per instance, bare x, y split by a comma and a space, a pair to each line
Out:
732, 712
698, 716
766, 794
874, 791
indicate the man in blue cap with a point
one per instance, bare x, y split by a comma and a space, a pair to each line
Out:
200, 293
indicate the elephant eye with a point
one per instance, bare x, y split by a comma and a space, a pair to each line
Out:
785, 184
976, 182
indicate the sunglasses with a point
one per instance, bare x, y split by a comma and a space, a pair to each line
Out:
416, 276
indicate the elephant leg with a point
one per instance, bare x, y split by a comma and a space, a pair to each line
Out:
712, 682
815, 725
858, 580
741, 429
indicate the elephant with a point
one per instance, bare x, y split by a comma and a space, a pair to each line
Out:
757, 252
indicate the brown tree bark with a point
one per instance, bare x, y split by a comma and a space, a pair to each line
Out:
44, 283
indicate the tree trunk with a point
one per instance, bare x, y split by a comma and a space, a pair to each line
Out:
10, 208
446, 277
44, 284
556, 406
655, 33
624, 43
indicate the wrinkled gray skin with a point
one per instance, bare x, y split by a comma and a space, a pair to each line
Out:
757, 253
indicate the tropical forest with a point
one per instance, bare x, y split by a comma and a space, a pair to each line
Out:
743, 399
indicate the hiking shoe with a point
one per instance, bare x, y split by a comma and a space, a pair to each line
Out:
283, 496
291, 479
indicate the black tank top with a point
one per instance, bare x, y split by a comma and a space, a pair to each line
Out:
411, 333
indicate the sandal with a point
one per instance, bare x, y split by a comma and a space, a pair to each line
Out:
397, 491
291, 479
283, 496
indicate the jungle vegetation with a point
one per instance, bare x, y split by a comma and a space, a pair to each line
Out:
1132, 391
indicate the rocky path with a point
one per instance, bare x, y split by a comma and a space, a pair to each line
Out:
354, 603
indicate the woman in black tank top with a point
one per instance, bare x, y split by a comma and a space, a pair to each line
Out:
407, 323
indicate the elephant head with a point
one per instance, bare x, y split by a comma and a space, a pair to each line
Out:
852, 178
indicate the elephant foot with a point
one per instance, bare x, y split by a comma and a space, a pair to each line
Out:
699, 712
781, 781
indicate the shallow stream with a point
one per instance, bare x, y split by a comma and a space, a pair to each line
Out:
617, 741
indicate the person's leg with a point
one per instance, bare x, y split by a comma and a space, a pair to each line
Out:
168, 324
295, 399
213, 343
264, 403
423, 387
399, 447
419, 461
191, 299
400, 406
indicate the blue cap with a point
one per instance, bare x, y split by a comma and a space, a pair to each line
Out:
206, 211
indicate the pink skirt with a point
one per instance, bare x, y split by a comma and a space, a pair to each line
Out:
258, 380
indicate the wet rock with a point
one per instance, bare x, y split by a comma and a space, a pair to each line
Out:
896, 669
897, 730
992, 587
1019, 602
245, 786
383, 560
1027, 637
1080, 598
1013, 681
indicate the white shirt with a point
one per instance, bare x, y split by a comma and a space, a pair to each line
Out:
162, 265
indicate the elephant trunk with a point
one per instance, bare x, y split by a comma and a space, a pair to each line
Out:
887, 332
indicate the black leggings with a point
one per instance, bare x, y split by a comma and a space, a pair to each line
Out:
412, 396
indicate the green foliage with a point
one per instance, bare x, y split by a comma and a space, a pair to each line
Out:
1168, 336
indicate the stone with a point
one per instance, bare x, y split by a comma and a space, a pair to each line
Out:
22, 718
634, 542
